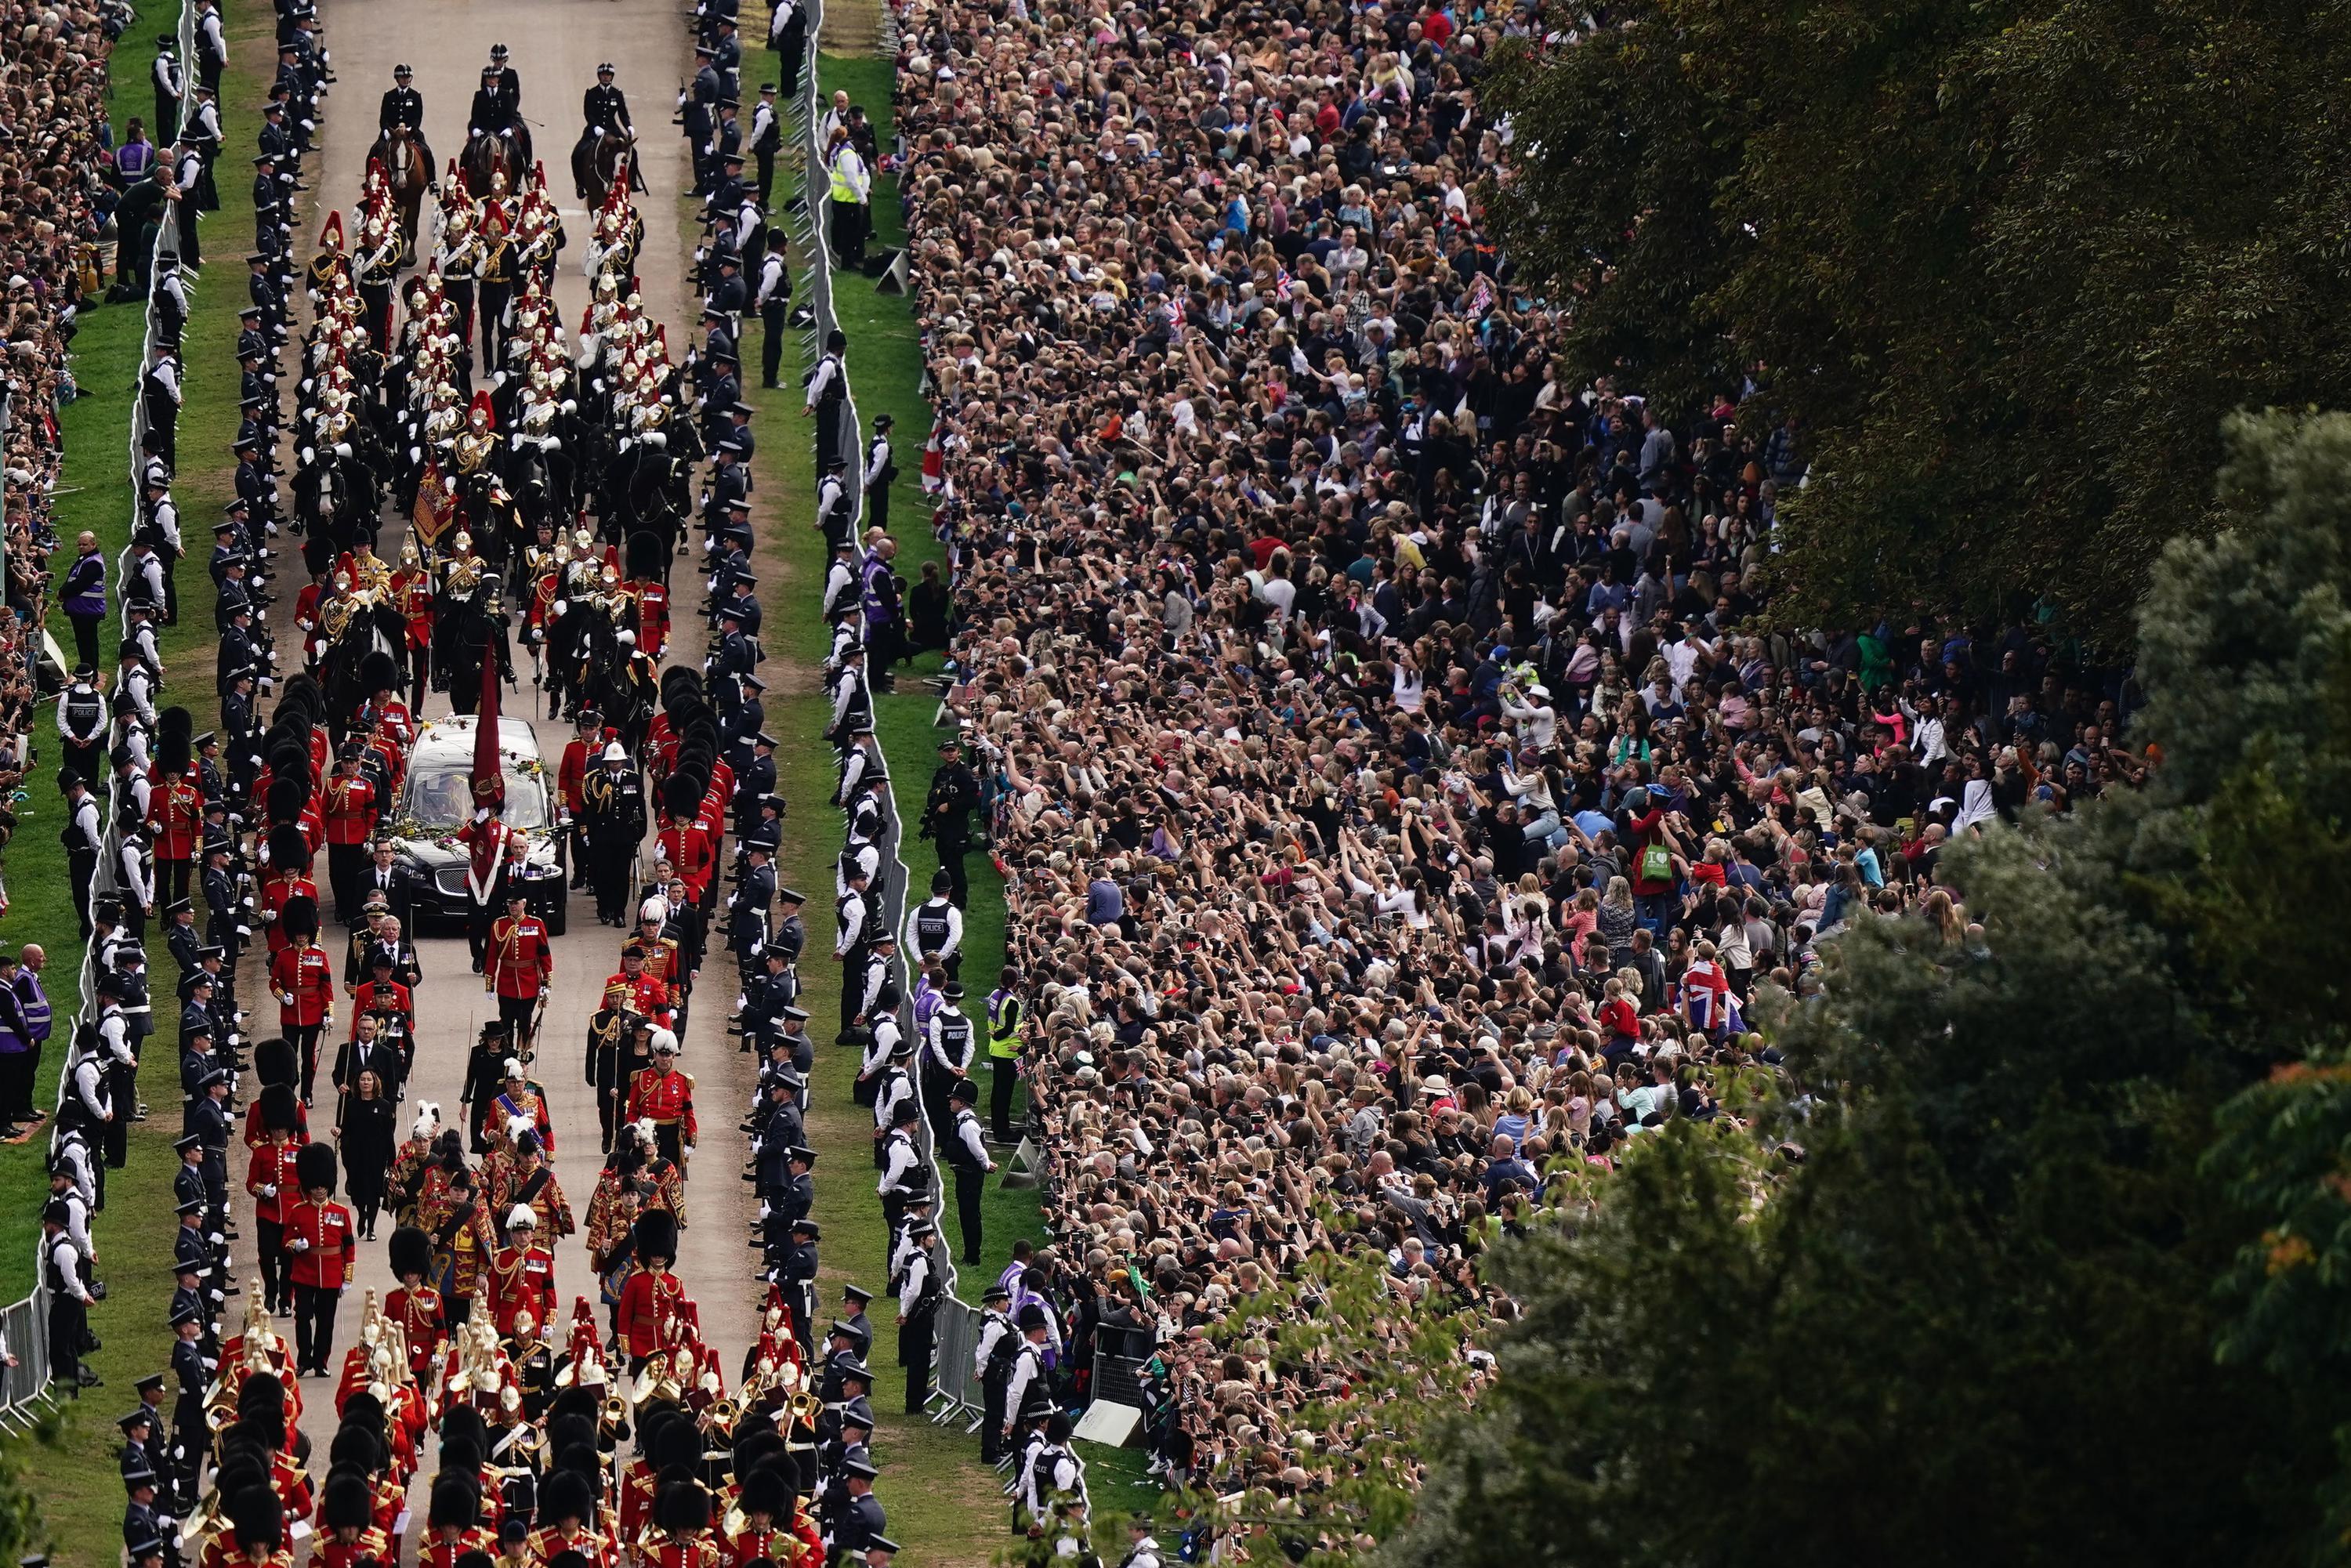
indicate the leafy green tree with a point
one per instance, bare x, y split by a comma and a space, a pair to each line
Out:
2011, 264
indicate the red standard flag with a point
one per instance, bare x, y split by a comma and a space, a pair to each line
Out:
488, 778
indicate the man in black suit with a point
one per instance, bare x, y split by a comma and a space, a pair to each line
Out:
382, 876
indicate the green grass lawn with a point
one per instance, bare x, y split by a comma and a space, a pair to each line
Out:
74, 1479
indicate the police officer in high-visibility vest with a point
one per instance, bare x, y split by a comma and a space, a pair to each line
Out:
849, 186
1004, 1011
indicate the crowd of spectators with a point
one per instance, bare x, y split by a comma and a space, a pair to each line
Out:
1397, 802
58, 189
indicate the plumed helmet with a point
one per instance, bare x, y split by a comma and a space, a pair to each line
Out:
315, 1165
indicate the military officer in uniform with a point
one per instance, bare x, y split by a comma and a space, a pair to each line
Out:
404, 106
519, 963
614, 802
610, 1030
665, 1096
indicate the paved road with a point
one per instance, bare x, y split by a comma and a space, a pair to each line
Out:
554, 45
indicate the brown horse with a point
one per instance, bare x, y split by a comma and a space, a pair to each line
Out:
406, 175
597, 163
488, 155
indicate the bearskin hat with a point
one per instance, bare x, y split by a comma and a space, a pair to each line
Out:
280, 1112
314, 1164
565, 1496
173, 754
379, 673
356, 1446
345, 1505
288, 849
258, 1518
456, 1501
288, 794
175, 721
411, 1252
681, 1507
655, 1233
274, 1061
300, 916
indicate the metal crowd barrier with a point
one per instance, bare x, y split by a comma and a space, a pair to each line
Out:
958, 1392
24, 1324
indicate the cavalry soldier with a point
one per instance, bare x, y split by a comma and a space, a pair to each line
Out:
518, 967
665, 1096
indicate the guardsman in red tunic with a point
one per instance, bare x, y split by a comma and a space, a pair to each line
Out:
348, 1536
323, 1241
351, 813
451, 1525
288, 879
413, 1304
521, 1275
274, 1183
649, 1302
686, 843
571, 1524
766, 1499
517, 967
570, 784
682, 1536
665, 1096
302, 978
653, 617
175, 820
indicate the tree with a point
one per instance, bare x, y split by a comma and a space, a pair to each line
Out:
2063, 1273
2010, 264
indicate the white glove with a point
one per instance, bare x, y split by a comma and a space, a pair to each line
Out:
687, 1150
301, 1244
269, 1189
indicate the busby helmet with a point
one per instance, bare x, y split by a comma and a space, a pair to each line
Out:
676, 1443
173, 754
175, 721
356, 1445
315, 1165
655, 1234
345, 1505
379, 673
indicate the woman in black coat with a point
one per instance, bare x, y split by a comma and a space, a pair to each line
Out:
364, 1125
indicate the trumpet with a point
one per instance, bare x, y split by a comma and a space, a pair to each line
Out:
616, 1411
805, 1406
723, 1414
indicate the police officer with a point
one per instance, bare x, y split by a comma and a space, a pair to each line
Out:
881, 468
966, 1154
828, 394
934, 928
403, 106
81, 723
946, 817
919, 1291
991, 1368
1003, 1017
950, 1044
66, 1273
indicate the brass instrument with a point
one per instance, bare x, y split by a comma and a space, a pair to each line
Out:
616, 1411
805, 1406
723, 1414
